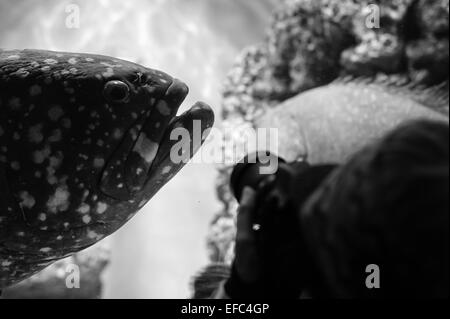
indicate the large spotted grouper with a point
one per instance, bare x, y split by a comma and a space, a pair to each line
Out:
84, 144
333, 122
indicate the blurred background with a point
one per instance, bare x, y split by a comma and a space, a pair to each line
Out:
156, 253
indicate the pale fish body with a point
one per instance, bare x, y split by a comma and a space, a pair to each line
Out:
331, 123
84, 144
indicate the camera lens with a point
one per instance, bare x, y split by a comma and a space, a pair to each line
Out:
251, 170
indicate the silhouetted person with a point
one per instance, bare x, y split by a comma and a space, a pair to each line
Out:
387, 208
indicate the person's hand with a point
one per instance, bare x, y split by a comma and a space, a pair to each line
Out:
247, 262
246, 276
268, 260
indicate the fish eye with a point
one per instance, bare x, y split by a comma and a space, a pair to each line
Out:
117, 91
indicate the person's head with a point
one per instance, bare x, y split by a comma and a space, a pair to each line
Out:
387, 207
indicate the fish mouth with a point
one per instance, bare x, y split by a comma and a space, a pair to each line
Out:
148, 143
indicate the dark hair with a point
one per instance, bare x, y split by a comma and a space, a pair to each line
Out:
388, 206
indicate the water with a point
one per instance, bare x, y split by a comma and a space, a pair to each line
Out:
156, 253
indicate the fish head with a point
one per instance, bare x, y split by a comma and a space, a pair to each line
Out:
129, 121
143, 104
94, 145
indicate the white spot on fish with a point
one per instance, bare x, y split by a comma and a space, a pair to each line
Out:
35, 134
27, 200
59, 201
13, 57
109, 65
146, 148
99, 162
86, 219
85, 194
55, 113
84, 209
54, 164
50, 61
22, 72
40, 156
109, 72
166, 170
15, 166
101, 208
163, 108
56, 136
117, 134
35, 90
15, 103
92, 234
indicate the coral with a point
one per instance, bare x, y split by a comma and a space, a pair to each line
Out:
427, 54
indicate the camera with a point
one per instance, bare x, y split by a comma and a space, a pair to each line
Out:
276, 223
288, 184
